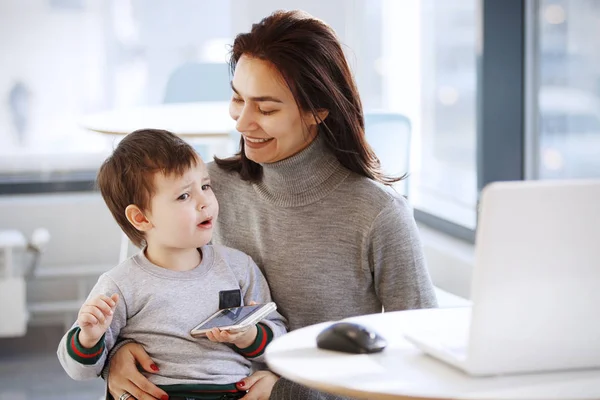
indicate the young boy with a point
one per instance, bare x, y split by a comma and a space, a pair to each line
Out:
158, 190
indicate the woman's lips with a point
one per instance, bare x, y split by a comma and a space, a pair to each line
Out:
257, 143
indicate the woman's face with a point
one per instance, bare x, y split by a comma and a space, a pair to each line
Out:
272, 125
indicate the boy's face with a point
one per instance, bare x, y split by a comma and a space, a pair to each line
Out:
183, 210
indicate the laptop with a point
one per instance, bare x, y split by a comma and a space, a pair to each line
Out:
536, 284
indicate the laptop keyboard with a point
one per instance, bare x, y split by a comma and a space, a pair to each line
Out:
453, 341
446, 331
459, 351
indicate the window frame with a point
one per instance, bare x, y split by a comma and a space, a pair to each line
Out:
56, 182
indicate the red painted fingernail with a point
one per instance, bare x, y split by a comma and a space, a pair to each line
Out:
164, 397
154, 367
241, 384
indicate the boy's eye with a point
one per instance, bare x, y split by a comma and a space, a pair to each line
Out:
266, 112
206, 186
237, 100
184, 196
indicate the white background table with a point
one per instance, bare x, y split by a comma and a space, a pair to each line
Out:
205, 123
402, 371
202, 119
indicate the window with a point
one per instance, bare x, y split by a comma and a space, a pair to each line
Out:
456, 70
414, 58
445, 179
426, 62
66, 58
568, 93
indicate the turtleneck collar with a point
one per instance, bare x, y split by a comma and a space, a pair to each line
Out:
303, 178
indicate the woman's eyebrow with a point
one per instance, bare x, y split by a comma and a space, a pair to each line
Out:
258, 99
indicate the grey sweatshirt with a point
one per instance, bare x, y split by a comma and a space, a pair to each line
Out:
158, 307
332, 244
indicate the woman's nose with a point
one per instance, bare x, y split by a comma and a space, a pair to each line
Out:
245, 121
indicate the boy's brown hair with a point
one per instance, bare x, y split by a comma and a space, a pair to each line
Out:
127, 176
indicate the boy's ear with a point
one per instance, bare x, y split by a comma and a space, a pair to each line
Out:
136, 217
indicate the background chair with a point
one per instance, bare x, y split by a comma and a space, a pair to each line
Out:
194, 82
389, 134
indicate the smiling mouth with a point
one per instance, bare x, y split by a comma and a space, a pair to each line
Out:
257, 140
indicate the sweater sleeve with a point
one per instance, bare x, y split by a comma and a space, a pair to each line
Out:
80, 363
255, 288
396, 260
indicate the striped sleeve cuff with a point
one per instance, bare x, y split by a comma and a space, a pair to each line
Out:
80, 353
264, 336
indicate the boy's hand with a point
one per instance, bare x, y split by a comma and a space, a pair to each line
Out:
241, 339
94, 318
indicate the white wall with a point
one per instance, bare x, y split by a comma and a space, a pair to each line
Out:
450, 261
82, 233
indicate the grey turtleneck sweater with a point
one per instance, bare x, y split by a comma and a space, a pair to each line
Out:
332, 244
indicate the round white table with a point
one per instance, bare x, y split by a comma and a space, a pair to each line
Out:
202, 119
402, 371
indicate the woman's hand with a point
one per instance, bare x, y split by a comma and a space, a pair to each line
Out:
124, 376
259, 385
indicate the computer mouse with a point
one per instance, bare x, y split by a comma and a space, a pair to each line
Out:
348, 337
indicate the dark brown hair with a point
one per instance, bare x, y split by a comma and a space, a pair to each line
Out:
308, 54
127, 176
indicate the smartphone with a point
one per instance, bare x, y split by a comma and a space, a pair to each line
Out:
234, 319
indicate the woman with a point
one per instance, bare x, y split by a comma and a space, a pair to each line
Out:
305, 197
